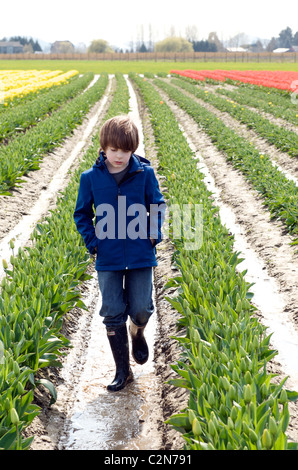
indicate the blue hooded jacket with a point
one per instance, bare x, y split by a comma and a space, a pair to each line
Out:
125, 215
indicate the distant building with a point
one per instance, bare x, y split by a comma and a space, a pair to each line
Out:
281, 50
62, 47
11, 47
236, 49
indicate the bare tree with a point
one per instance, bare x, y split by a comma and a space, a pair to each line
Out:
237, 40
172, 33
191, 33
150, 41
213, 38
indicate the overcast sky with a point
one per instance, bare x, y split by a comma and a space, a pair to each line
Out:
120, 22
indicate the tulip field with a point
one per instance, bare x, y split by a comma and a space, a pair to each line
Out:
18, 83
274, 79
245, 125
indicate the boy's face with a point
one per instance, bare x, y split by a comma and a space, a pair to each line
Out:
117, 159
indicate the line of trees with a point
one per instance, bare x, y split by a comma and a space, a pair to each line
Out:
173, 43
285, 39
29, 45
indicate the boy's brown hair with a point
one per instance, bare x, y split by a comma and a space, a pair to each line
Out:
119, 132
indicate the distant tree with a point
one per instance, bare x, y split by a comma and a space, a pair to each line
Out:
37, 47
213, 38
237, 40
99, 46
285, 38
204, 46
273, 44
81, 48
151, 39
62, 47
29, 44
173, 44
191, 33
254, 47
28, 48
258, 46
142, 48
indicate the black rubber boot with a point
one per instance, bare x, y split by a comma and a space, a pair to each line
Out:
140, 350
119, 345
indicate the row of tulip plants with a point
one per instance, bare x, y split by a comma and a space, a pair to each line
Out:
37, 293
24, 152
234, 403
284, 139
24, 115
279, 193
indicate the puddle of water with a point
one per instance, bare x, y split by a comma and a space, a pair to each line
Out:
267, 299
287, 174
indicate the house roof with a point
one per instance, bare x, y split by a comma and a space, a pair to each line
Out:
62, 42
236, 49
281, 49
10, 43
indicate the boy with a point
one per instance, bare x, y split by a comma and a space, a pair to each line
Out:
120, 185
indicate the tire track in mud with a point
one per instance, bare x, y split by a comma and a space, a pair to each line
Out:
271, 262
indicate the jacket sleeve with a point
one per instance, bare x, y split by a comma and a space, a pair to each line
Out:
155, 205
84, 214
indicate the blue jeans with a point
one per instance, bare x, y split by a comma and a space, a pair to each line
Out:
126, 293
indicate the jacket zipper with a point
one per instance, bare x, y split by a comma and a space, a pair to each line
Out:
126, 178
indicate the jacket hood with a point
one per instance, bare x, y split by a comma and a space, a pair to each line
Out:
136, 162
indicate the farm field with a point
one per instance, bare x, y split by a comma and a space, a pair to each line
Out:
224, 338
138, 66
